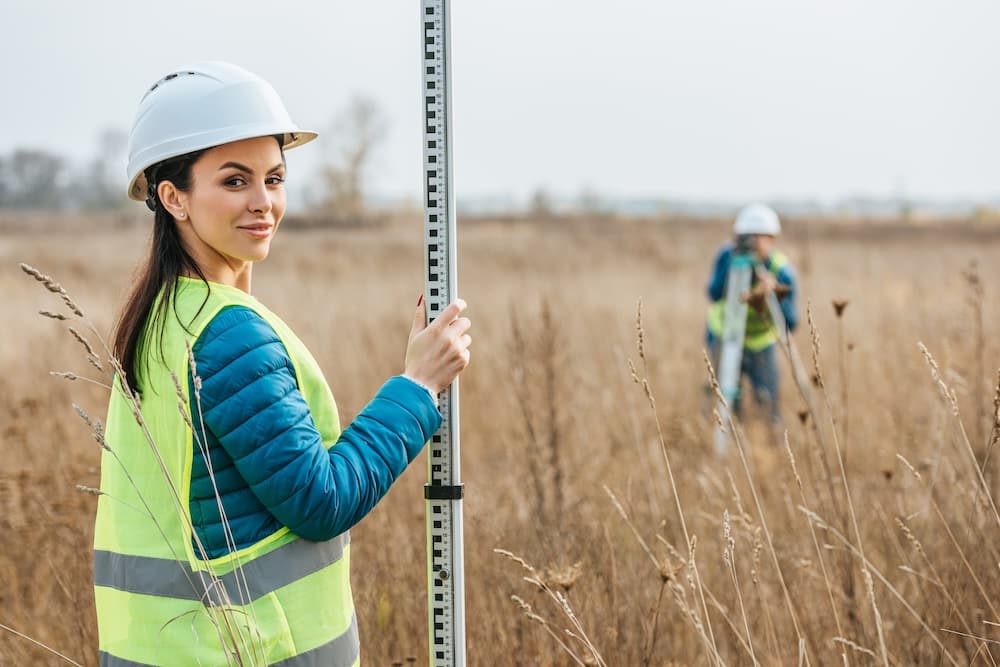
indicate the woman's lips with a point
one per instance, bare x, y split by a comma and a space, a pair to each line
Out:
259, 231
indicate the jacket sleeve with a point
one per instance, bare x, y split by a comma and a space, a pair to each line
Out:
251, 403
720, 269
786, 276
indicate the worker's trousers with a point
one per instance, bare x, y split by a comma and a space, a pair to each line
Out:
761, 368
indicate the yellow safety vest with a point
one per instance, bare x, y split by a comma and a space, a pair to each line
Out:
760, 331
284, 600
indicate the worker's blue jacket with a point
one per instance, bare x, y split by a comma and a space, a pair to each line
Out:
281, 474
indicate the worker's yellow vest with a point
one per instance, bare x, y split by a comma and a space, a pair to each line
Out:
283, 600
760, 331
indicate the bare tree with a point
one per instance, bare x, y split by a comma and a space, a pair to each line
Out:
31, 178
356, 134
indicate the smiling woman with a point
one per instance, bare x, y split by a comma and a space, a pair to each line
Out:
222, 528
229, 216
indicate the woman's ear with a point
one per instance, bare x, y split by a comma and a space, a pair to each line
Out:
174, 200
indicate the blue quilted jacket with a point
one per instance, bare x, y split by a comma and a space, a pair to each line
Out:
273, 472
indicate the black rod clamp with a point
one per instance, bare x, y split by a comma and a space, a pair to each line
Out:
444, 491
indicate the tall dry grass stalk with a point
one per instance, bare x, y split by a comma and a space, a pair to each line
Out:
884, 653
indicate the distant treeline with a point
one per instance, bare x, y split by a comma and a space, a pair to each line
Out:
38, 179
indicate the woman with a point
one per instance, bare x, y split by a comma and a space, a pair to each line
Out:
228, 486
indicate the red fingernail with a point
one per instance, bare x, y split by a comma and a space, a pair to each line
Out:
420, 300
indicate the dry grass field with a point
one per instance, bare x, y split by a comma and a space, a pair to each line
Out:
739, 561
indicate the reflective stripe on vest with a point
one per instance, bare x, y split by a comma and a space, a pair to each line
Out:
760, 330
283, 600
173, 579
341, 652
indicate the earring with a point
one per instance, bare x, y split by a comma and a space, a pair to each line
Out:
182, 215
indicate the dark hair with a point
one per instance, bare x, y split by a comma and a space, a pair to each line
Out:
166, 261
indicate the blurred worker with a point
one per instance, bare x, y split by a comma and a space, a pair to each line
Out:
229, 488
756, 230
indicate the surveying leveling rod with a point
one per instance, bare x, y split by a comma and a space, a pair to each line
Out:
443, 491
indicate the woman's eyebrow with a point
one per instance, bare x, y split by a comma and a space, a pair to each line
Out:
243, 167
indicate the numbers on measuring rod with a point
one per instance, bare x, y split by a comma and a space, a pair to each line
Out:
443, 492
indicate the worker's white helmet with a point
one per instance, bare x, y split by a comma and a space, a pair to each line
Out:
207, 104
757, 219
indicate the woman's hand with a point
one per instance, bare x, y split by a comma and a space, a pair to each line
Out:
439, 351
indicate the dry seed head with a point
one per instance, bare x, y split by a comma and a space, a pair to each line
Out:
72, 306
195, 379
910, 537
517, 559
791, 460
727, 538
177, 385
718, 420
89, 489
67, 375
640, 334
95, 361
668, 572
814, 332
948, 395
854, 647
712, 378
737, 498
758, 544
689, 571
839, 305
631, 368
184, 414
53, 316
528, 611
50, 284
565, 577
82, 414
99, 437
83, 341
649, 393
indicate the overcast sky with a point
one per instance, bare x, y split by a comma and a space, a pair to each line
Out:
708, 99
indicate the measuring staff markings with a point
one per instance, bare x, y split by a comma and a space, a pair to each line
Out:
443, 492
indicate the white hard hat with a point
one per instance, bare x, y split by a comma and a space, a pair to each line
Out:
757, 219
207, 104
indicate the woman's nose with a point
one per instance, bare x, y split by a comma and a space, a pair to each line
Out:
260, 199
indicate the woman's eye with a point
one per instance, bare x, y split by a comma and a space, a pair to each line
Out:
235, 181
275, 179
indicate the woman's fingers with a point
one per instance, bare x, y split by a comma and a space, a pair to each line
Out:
437, 353
449, 314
